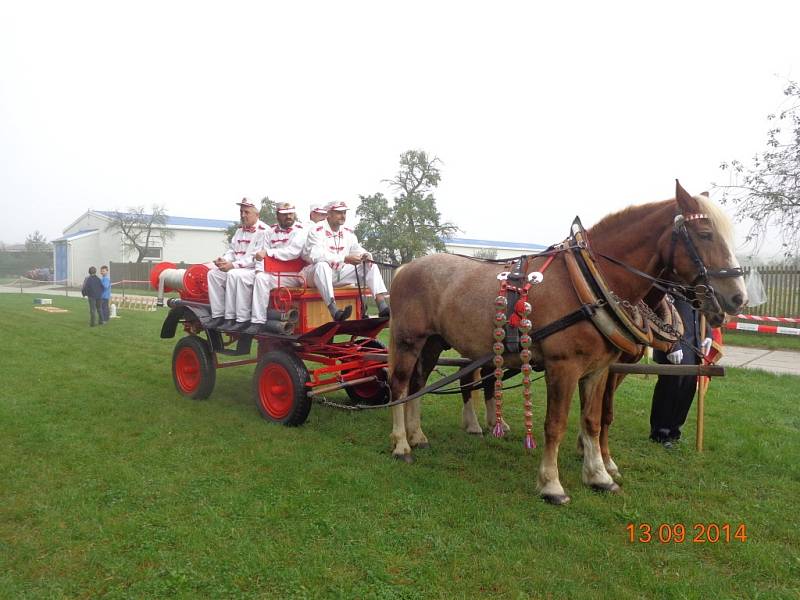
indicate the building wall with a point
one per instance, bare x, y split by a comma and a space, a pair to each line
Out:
83, 253
194, 246
501, 252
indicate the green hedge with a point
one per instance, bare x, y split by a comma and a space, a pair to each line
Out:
14, 264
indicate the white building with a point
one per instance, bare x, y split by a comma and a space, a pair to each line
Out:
487, 248
88, 242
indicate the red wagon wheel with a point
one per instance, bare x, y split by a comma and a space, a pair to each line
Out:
193, 368
372, 392
279, 388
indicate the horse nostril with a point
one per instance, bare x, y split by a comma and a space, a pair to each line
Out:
738, 300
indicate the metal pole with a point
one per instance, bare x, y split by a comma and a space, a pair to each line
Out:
702, 385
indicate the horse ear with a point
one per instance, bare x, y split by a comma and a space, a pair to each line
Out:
685, 200
704, 194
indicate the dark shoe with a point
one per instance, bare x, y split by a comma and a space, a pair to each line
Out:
215, 322
240, 326
253, 328
228, 325
343, 313
660, 435
384, 312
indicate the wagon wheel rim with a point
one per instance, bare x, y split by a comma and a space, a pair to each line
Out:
276, 391
368, 389
187, 370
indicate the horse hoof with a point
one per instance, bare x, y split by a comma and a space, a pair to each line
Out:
611, 488
406, 458
556, 499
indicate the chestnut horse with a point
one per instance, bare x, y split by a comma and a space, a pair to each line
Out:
444, 301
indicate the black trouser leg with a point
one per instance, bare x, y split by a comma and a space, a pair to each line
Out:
92, 310
661, 407
684, 395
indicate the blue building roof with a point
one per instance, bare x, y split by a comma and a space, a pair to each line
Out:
182, 221
72, 236
493, 244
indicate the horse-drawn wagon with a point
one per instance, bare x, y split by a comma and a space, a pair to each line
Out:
595, 310
303, 353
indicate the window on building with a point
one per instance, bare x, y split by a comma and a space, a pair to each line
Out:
152, 253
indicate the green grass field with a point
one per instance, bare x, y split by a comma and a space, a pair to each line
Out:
114, 486
762, 340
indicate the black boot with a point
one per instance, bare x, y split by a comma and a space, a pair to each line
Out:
343, 313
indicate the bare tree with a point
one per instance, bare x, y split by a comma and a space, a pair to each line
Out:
767, 193
140, 229
487, 253
37, 242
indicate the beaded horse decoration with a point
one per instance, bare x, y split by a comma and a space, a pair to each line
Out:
511, 283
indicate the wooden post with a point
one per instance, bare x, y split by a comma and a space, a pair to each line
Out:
702, 386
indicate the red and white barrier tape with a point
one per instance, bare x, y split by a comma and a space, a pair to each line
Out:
764, 328
769, 319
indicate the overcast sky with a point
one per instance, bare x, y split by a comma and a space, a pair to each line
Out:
539, 111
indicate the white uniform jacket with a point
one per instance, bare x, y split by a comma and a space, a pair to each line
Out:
283, 244
324, 245
244, 245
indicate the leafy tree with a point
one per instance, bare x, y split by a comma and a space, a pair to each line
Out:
36, 242
140, 229
768, 192
411, 226
266, 213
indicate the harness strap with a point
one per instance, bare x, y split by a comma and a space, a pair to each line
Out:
586, 311
478, 362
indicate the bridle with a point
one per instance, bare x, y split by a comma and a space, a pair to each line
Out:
700, 283
700, 287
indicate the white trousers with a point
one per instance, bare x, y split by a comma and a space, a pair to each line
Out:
326, 278
264, 284
230, 293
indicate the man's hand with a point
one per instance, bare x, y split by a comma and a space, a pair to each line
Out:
352, 259
675, 357
261, 254
223, 265
706, 346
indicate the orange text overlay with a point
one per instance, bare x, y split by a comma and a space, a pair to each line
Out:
678, 533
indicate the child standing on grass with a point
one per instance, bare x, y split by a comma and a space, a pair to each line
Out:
93, 290
106, 280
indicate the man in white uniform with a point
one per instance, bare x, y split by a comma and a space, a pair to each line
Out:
317, 213
234, 269
283, 241
335, 254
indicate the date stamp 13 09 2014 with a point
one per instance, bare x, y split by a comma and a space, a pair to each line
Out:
679, 533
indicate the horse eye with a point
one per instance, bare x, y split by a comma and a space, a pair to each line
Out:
706, 235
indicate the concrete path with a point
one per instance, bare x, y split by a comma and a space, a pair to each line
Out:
774, 361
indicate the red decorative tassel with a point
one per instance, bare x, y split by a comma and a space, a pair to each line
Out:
498, 429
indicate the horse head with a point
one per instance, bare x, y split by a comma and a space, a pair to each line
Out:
702, 255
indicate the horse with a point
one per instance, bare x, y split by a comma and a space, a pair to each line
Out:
687, 240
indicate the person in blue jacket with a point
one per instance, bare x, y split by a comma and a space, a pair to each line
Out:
106, 281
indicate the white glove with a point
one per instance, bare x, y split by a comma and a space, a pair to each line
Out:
706, 346
675, 357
